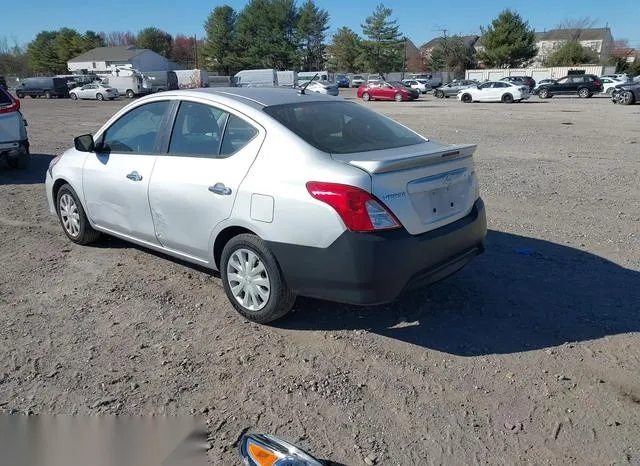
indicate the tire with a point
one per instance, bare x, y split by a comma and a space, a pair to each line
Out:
279, 300
47, 94
23, 162
78, 228
543, 93
20, 95
439, 94
584, 93
130, 94
507, 99
33, 96
366, 96
99, 96
466, 98
73, 96
626, 98
398, 97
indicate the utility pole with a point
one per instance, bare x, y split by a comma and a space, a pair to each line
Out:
195, 49
445, 48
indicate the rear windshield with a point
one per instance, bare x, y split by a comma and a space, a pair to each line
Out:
4, 98
342, 127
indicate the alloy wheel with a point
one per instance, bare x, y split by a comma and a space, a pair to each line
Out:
70, 215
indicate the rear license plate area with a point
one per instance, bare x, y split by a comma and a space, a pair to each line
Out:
443, 196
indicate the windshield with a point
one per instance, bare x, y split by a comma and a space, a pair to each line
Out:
342, 127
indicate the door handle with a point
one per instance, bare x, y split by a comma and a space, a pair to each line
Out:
134, 176
220, 188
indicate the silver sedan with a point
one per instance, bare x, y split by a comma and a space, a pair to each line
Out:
94, 91
285, 194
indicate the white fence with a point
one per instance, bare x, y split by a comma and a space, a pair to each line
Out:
537, 73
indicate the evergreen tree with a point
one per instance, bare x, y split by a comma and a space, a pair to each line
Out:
572, 53
384, 48
312, 24
345, 51
508, 41
220, 50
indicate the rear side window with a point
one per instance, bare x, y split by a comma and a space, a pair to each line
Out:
342, 127
237, 134
5, 99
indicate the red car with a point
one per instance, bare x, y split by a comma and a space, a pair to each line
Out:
387, 90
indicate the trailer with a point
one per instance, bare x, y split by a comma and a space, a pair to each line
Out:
192, 79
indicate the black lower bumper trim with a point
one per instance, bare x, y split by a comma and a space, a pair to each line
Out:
374, 268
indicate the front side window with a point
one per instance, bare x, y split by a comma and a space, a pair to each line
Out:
342, 127
136, 131
197, 130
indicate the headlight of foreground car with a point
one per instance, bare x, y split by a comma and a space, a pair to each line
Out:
268, 450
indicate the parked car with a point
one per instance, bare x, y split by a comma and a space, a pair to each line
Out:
609, 84
131, 86
383, 90
452, 89
583, 85
521, 80
542, 82
216, 190
419, 84
357, 80
94, 92
14, 141
626, 93
321, 87
342, 80
495, 91
42, 87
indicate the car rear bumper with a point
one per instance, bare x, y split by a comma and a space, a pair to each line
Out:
374, 268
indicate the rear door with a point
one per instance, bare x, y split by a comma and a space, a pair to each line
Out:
196, 180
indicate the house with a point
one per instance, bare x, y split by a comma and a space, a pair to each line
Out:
427, 48
105, 59
599, 40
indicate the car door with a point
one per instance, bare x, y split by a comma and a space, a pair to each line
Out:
116, 176
83, 93
484, 92
195, 183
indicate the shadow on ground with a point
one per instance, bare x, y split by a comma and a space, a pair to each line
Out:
35, 174
522, 294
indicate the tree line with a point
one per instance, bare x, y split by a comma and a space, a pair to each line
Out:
284, 35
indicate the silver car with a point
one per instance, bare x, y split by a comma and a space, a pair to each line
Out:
14, 141
453, 88
94, 91
284, 193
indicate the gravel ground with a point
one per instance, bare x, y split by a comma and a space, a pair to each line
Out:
529, 355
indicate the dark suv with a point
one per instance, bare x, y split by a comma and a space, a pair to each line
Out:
521, 81
583, 85
45, 87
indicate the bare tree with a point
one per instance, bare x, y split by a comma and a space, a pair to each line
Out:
118, 38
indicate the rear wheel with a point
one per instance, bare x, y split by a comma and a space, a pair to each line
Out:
253, 281
73, 218
130, 94
584, 93
366, 96
466, 98
398, 97
73, 96
507, 99
439, 94
20, 95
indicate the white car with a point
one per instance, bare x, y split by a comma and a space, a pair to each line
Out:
494, 91
286, 194
609, 84
321, 87
94, 91
420, 84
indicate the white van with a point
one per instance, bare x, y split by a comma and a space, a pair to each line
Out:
257, 78
306, 76
131, 86
287, 78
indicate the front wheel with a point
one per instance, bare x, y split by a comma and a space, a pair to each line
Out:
99, 96
626, 98
366, 96
439, 94
543, 93
584, 93
398, 97
73, 96
72, 217
466, 98
130, 94
253, 281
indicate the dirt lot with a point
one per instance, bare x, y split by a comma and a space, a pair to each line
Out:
529, 355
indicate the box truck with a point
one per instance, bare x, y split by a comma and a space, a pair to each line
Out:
257, 78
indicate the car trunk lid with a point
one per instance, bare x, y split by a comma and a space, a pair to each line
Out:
426, 186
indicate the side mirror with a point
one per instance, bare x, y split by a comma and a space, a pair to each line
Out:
84, 143
265, 449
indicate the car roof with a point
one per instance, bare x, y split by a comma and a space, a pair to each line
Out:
256, 97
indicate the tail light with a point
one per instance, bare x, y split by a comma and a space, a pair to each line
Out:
358, 209
14, 107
